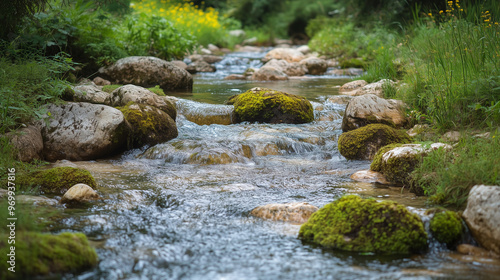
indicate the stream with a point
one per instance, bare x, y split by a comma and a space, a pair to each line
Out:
180, 209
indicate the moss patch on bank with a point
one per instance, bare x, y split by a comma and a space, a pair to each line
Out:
365, 225
38, 254
56, 180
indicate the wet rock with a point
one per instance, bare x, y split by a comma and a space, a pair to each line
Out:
213, 48
288, 54
373, 88
90, 93
101, 82
148, 71
365, 225
250, 41
235, 77
79, 193
268, 73
27, 143
56, 180
369, 176
397, 161
314, 65
200, 66
214, 156
37, 200
139, 95
295, 212
364, 142
446, 227
179, 63
468, 249
46, 255
290, 69
340, 99
206, 114
346, 72
83, 131
271, 106
369, 108
149, 125
352, 87
248, 49
304, 49
482, 216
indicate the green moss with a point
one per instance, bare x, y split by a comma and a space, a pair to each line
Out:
352, 63
271, 106
157, 90
42, 254
56, 180
364, 142
148, 125
110, 88
365, 225
446, 227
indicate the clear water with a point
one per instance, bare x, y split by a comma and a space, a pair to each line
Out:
180, 210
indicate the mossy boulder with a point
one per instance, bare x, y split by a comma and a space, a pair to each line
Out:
271, 106
56, 180
364, 142
397, 161
39, 254
365, 225
447, 227
149, 125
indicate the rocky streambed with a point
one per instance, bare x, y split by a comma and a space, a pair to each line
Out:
183, 208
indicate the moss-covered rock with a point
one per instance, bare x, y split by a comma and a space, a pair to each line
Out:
149, 125
56, 180
364, 142
365, 225
396, 162
271, 106
447, 227
39, 254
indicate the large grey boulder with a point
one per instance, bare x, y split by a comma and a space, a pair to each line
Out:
369, 108
482, 216
83, 131
126, 94
148, 71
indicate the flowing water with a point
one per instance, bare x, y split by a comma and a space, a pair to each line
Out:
180, 209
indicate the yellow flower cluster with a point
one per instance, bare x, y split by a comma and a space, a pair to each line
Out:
184, 15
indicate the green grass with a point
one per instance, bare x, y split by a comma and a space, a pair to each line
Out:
448, 176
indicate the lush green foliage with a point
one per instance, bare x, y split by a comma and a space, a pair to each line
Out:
27, 84
448, 176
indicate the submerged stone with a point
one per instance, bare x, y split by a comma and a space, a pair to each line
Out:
295, 212
271, 106
365, 225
